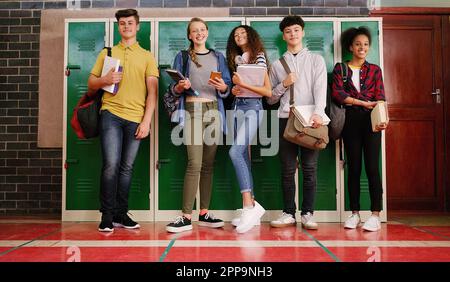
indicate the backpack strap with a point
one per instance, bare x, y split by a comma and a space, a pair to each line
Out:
108, 49
185, 56
344, 72
291, 88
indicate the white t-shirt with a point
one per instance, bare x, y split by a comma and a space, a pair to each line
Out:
356, 77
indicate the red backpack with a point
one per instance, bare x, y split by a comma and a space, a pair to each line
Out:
86, 114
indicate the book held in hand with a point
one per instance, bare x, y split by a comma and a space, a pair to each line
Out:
177, 76
379, 115
108, 64
252, 75
304, 113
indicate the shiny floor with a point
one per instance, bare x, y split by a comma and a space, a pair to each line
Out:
405, 238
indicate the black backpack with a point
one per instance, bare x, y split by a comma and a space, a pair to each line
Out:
170, 99
337, 112
86, 114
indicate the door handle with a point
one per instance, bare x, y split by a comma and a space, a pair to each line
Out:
437, 93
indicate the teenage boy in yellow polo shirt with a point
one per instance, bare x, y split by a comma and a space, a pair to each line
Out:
125, 118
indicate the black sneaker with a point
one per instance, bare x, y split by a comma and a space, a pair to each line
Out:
106, 226
125, 221
180, 224
209, 220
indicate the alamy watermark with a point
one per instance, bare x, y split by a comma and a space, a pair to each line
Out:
243, 128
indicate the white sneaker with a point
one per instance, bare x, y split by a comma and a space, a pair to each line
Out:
283, 221
250, 217
372, 223
236, 220
352, 221
308, 222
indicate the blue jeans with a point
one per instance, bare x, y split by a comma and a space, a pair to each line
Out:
246, 123
119, 150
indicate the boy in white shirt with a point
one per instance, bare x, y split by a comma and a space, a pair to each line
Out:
309, 78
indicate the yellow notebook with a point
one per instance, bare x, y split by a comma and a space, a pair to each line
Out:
379, 115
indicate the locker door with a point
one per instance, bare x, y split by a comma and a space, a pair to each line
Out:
319, 38
373, 57
140, 185
171, 161
83, 157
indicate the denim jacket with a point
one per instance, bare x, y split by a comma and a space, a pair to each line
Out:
179, 115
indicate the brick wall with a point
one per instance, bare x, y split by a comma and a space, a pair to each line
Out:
30, 177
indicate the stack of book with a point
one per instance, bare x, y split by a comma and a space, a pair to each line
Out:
379, 115
108, 64
304, 113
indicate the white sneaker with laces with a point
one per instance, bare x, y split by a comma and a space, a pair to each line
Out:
352, 221
308, 222
236, 220
250, 217
284, 220
372, 223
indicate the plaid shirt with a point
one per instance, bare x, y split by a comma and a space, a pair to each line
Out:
372, 88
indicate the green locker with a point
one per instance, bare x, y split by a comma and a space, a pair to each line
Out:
83, 157
318, 38
373, 57
172, 159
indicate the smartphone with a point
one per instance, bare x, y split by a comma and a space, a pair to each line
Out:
215, 74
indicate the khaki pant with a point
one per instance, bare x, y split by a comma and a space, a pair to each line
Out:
201, 156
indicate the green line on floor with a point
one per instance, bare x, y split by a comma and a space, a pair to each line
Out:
29, 242
166, 251
336, 259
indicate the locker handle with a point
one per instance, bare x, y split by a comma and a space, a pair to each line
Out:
162, 161
73, 67
165, 66
71, 161
257, 160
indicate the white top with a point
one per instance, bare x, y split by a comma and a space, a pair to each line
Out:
310, 87
356, 77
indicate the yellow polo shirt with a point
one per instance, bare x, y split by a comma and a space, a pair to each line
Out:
137, 64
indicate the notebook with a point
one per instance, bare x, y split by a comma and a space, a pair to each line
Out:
108, 64
253, 75
304, 113
379, 115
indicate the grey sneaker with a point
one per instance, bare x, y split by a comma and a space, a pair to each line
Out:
284, 220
